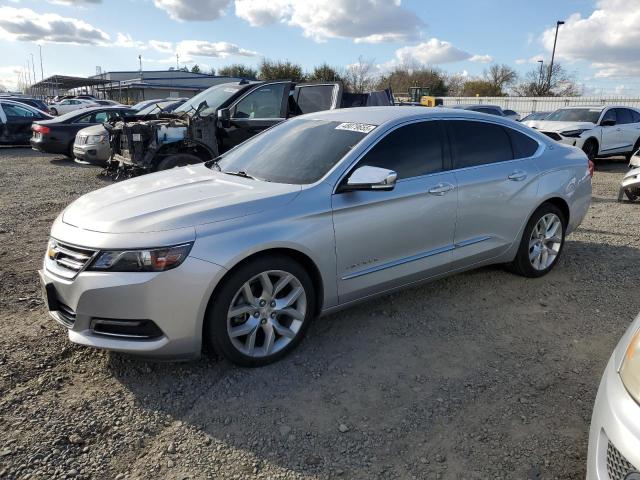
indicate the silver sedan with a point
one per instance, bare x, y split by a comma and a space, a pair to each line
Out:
311, 216
614, 438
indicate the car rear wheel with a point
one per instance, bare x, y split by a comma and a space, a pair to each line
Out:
178, 160
590, 148
542, 242
54, 112
261, 312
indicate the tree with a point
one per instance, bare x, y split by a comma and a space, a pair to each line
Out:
280, 70
212, 71
500, 77
559, 83
479, 87
359, 77
238, 70
195, 68
402, 78
324, 73
455, 84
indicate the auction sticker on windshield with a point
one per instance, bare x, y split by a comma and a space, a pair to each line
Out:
356, 127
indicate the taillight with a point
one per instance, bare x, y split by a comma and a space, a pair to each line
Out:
592, 167
40, 128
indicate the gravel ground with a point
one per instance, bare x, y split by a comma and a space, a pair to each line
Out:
481, 375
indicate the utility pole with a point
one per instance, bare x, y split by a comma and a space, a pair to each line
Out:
540, 80
141, 76
553, 53
177, 62
41, 69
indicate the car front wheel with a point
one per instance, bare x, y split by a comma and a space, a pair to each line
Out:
261, 312
542, 242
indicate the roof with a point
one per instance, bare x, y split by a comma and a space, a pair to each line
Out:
380, 115
64, 82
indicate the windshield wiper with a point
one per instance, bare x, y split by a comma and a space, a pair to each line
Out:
240, 173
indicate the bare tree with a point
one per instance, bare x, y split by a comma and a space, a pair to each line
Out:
359, 77
455, 84
402, 78
560, 83
500, 77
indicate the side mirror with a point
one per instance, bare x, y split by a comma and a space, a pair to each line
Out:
224, 116
370, 178
607, 123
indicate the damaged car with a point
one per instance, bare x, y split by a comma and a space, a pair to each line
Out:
220, 118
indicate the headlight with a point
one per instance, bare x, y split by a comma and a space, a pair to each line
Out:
630, 370
93, 139
150, 260
573, 133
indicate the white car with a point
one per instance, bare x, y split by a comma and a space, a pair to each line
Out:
600, 131
534, 118
70, 104
614, 437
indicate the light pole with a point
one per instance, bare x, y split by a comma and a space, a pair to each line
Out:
553, 53
540, 79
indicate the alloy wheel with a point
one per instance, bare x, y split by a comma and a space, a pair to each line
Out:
266, 313
545, 241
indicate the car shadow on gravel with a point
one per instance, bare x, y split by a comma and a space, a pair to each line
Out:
468, 374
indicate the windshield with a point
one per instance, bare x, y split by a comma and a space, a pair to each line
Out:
298, 151
158, 107
575, 115
213, 97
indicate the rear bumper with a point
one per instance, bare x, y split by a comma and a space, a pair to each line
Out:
46, 145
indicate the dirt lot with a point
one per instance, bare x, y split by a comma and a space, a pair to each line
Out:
482, 375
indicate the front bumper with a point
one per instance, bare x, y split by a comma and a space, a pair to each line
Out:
634, 162
614, 437
97, 153
174, 300
571, 141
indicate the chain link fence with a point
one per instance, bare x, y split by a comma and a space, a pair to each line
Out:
526, 105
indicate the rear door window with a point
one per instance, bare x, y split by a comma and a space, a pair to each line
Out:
624, 115
410, 151
523, 145
85, 118
314, 98
16, 111
478, 143
636, 116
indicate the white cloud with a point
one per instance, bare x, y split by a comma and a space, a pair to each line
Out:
608, 38
431, 52
520, 61
160, 46
75, 3
366, 21
198, 10
23, 24
125, 40
204, 48
481, 58
9, 76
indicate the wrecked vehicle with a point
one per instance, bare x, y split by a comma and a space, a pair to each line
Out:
218, 119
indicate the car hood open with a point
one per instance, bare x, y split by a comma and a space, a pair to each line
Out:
551, 126
176, 198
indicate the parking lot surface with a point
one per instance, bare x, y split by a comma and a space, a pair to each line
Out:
481, 375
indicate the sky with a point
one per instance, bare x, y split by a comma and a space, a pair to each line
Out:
599, 43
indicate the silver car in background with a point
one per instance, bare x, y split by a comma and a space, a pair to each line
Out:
614, 438
311, 216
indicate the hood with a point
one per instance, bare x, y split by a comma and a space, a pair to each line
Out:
92, 130
552, 126
176, 198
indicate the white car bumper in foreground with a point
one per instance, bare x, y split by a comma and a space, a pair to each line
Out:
614, 438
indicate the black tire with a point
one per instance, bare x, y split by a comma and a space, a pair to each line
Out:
54, 112
636, 147
215, 331
69, 153
178, 160
590, 148
521, 265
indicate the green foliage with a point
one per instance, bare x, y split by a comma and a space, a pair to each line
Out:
238, 70
324, 73
195, 68
280, 70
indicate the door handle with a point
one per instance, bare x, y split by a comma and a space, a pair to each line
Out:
517, 176
441, 188
618, 129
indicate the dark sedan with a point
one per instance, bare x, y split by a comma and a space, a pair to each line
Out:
58, 134
15, 121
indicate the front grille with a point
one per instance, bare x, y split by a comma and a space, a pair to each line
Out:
553, 135
618, 467
81, 140
67, 260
